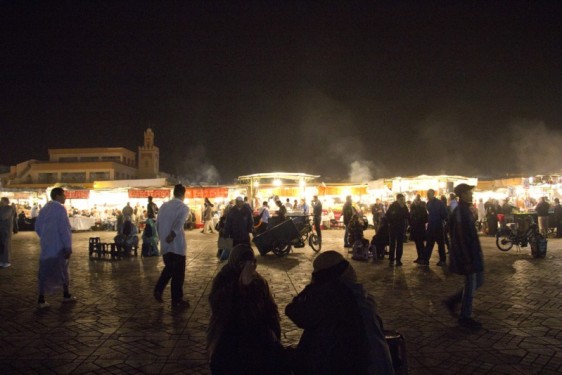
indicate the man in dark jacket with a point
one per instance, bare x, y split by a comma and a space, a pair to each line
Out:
397, 216
239, 223
348, 212
558, 217
438, 214
418, 219
465, 256
542, 212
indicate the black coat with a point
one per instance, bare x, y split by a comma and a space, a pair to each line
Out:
465, 251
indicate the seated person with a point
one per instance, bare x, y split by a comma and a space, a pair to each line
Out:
150, 237
343, 333
127, 238
355, 228
244, 330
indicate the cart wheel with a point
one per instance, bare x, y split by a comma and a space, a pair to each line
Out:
314, 242
504, 242
281, 248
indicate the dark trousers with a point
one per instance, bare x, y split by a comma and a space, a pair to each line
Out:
174, 268
317, 227
558, 229
396, 244
346, 237
420, 248
434, 236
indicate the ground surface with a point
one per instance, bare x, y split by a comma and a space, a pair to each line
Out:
116, 326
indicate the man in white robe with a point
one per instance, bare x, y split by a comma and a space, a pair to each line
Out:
53, 228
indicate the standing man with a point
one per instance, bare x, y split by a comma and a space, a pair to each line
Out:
317, 217
466, 257
8, 225
347, 214
558, 217
34, 213
263, 219
397, 216
207, 217
239, 223
437, 215
169, 225
418, 220
542, 213
304, 207
55, 237
377, 209
151, 208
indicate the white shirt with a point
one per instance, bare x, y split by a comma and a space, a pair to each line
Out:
171, 217
265, 215
53, 228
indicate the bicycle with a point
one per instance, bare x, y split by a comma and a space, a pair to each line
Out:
514, 235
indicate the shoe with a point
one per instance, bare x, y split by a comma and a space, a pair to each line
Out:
441, 263
158, 297
43, 305
469, 323
423, 263
398, 263
451, 306
69, 299
416, 261
181, 305
391, 263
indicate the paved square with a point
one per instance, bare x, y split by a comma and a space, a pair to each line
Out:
116, 326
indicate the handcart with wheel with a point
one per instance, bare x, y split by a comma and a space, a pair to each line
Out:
281, 238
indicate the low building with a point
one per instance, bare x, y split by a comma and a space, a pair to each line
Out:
83, 166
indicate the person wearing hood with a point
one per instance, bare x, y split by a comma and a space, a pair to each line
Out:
244, 331
343, 333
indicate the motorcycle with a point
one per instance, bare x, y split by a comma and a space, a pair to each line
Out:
522, 235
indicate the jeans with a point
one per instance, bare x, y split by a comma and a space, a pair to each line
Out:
174, 268
472, 282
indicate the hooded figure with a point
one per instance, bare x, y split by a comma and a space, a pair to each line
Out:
343, 333
244, 330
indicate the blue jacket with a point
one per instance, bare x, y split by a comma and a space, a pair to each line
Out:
437, 214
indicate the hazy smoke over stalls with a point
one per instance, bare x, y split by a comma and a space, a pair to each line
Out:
195, 168
535, 148
331, 136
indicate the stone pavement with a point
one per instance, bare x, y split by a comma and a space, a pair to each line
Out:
116, 326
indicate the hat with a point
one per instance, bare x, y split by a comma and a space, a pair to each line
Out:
461, 188
239, 199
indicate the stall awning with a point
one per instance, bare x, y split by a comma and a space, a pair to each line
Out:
145, 193
206, 192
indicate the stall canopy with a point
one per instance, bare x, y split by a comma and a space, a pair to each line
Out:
206, 192
145, 193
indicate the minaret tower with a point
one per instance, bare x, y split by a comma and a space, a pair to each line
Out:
149, 157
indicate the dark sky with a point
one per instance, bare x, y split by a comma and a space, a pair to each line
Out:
340, 89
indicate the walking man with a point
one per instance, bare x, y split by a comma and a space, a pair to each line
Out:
169, 225
437, 215
558, 217
465, 257
55, 238
397, 216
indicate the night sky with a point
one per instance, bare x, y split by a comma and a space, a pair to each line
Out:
346, 90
